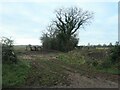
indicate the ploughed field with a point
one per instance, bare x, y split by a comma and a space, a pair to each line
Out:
80, 68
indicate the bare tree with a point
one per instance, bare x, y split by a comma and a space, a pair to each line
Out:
69, 20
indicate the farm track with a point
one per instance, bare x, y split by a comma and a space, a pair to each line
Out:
76, 79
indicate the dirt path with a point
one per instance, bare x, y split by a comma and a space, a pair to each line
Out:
76, 79
79, 81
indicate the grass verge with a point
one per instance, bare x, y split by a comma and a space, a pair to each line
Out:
78, 61
14, 75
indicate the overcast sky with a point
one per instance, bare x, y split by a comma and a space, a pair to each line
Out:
26, 21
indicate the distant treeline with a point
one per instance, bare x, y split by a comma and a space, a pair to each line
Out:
98, 46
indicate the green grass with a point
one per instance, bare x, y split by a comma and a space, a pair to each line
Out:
76, 62
113, 69
80, 62
74, 58
109, 70
14, 75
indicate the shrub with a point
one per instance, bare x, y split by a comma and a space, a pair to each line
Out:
8, 54
94, 63
115, 54
114, 57
56, 43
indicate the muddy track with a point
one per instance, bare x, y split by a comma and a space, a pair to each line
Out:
79, 81
76, 79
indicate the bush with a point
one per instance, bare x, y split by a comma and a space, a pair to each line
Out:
8, 54
115, 54
106, 64
57, 43
95, 63
114, 57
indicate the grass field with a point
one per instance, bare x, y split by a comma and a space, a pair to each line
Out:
77, 68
